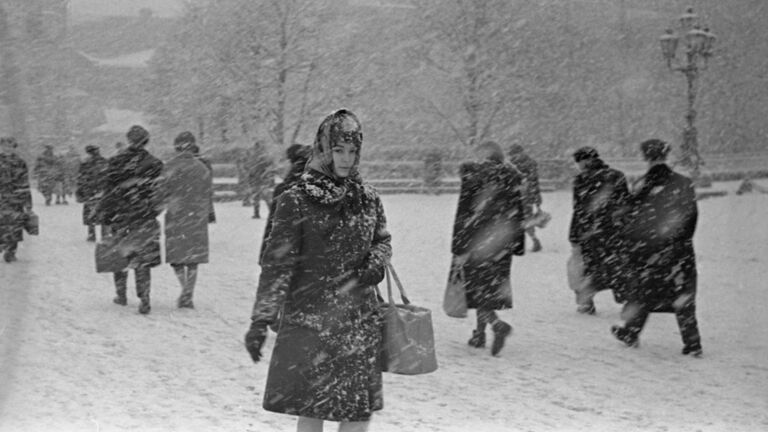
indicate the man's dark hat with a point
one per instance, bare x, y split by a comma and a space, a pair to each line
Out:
137, 135
91, 149
654, 149
585, 153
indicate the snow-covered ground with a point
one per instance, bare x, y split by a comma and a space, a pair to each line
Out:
73, 361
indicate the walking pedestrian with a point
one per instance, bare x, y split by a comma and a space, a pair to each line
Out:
15, 198
260, 174
599, 195
327, 250
297, 155
186, 191
46, 172
531, 192
487, 232
129, 207
90, 187
661, 221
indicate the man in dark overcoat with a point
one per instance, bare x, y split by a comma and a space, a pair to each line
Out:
46, 173
661, 221
15, 198
599, 195
487, 232
130, 207
531, 191
90, 187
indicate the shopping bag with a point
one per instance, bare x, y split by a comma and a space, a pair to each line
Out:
408, 343
455, 297
32, 223
540, 219
109, 256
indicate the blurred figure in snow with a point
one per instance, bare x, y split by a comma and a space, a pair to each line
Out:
186, 190
487, 232
599, 194
195, 149
130, 207
260, 173
46, 173
90, 187
297, 155
661, 221
15, 198
531, 192
327, 250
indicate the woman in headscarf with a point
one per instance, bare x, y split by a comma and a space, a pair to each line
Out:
486, 233
327, 250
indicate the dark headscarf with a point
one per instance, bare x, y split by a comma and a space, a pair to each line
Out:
342, 124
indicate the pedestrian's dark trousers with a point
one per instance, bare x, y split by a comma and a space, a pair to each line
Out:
686, 322
143, 279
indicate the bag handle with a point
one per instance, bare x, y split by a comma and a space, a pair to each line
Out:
390, 270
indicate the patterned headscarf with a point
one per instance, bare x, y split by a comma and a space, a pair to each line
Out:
341, 125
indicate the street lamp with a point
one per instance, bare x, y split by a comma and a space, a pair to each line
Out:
698, 44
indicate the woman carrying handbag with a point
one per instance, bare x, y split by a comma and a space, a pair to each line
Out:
327, 249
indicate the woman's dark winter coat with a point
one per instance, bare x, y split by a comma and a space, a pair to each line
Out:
599, 196
186, 189
90, 186
488, 230
15, 197
326, 251
661, 222
131, 204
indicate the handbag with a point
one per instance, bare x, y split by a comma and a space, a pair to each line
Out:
455, 297
32, 223
540, 219
408, 342
109, 256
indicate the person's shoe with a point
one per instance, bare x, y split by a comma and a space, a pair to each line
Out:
120, 300
694, 351
625, 336
185, 303
477, 340
536, 246
586, 309
500, 332
144, 307
91, 238
256, 217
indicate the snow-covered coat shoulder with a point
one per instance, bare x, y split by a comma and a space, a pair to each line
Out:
327, 248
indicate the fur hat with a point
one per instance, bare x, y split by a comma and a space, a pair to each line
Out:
585, 153
137, 135
184, 141
654, 150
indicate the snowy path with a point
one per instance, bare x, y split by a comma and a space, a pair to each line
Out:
84, 364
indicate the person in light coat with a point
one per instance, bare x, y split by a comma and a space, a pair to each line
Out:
186, 189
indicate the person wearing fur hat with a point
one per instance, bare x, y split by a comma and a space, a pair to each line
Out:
327, 250
90, 187
15, 198
297, 155
599, 194
661, 222
129, 207
487, 232
187, 186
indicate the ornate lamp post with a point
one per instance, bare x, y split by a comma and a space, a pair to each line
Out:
697, 47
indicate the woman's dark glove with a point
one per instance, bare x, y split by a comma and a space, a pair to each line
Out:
369, 276
255, 338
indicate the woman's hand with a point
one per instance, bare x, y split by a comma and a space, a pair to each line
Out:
255, 338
